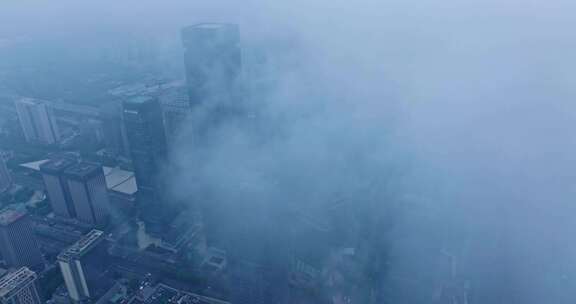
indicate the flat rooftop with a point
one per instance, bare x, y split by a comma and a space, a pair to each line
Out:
10, 215
56, 166
118, 180
139, 100
83, 171
135, 105
12, 282
198, 35
212, 25
84, 245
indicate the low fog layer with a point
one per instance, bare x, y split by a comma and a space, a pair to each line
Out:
453, 120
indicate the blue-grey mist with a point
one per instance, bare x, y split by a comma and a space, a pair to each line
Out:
454, 119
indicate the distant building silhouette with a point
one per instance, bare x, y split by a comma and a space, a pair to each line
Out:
114, 133
257, 268
18, 244
213, 63
19, 287
37, 121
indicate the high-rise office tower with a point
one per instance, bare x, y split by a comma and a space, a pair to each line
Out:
88, 192
18, 244
19, 287
5, 178
145, 132
37, 121
114, 134
175, 109
83, 266
213, 63
57, 187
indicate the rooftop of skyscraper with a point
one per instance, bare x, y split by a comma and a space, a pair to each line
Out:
13, 281
196, 35
81, 247
140, 103
83, 171
139, 100
56, 166
212, 25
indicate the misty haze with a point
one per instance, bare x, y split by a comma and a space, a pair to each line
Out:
287, 152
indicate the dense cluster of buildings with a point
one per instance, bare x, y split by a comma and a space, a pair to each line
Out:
112, 224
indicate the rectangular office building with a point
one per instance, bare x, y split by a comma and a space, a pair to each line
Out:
213, 62
19, 287
37, 121
83, 266
88, 192
57, 187
18, 245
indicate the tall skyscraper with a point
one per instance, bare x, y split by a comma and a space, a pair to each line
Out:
57, 187
5, 178
19, 287
37, 121
175, 109
213, 63
114, 133
18, 244
147, 141
83, 266
88, 192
